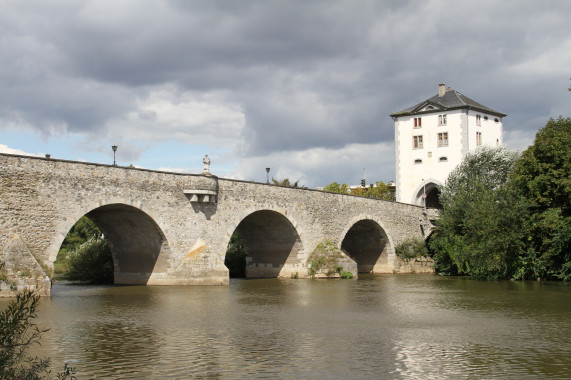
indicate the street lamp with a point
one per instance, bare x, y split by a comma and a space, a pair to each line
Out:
114, 147
424, 193
267, 175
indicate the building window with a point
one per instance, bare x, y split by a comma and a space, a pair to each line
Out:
443, 139
417, 142
478, 138
418, 161
417, 122
441, 119
496, 120
478, 119
443, 159
485, 118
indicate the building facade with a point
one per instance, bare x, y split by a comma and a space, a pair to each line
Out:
432, 138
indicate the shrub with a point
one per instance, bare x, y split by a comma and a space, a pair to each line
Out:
91, 262
17, 334
326, 257
346, 275
411, 248
235, 259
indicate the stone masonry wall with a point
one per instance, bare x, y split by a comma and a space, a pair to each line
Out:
41, 199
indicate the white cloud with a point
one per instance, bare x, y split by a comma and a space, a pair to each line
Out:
303, 87
7, 149
320, 166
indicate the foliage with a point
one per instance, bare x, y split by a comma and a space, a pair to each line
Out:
346, 275
326, 257
480, 228
542, 176
411, 248
235, 259
286, 183
18, 332
81, 232
509, 217
334, 187
91, 262
379, 191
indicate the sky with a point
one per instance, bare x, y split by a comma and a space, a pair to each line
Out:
302, 87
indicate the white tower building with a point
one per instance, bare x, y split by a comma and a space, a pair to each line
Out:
432, 138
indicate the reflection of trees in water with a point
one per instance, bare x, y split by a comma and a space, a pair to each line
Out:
379, 326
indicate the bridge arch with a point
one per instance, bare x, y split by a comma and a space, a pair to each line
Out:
272, 243
365, 240
137, 242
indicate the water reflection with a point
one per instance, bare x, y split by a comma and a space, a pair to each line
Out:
375, 327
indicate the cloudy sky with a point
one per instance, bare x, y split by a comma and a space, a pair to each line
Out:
303, 87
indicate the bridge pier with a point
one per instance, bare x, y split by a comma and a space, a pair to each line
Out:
173, 229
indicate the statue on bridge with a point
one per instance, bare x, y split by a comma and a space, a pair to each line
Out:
206, 162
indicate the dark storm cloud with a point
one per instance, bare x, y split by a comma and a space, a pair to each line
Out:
306, 75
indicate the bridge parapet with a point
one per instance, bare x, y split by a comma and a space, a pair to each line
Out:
174, 229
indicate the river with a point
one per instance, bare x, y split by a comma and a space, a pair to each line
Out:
376, 327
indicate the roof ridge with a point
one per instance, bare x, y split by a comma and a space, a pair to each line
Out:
460, 95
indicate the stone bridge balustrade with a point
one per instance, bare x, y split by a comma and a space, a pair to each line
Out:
173, 229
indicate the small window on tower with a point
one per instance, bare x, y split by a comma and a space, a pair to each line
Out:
478, 119
443, 159
443, 139
418, 161
442, 119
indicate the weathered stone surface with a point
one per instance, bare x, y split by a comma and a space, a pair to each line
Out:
159, 235
20, 270
418, 265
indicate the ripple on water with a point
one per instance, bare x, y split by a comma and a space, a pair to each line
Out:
374, 327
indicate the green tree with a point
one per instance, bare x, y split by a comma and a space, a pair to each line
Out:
235, 259
334, 187
81, 231
286, 183
542, 176
91, 262
480, 228
380, 191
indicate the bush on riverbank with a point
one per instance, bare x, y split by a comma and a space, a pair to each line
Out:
85, 255
509, 216
235, 259
18, 333
411, 249
91, 263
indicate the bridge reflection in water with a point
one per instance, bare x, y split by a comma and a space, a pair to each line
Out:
380, 326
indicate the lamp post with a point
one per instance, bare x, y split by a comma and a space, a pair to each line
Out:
114, 147
267, 175
424, 193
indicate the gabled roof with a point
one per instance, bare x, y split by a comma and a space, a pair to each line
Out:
451, 100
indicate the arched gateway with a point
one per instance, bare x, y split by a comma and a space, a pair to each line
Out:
173, 229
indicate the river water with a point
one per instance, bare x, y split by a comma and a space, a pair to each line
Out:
376, 327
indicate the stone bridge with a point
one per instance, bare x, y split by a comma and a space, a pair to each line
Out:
173, 229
